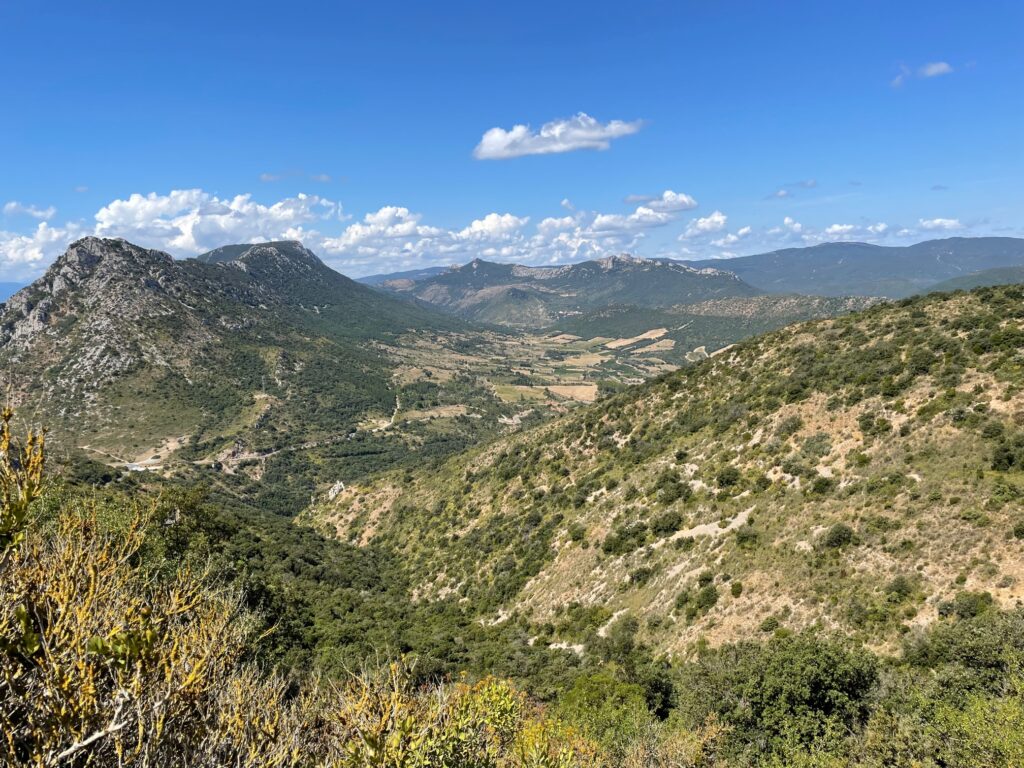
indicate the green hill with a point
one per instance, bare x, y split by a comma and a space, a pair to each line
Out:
985, 278
240, 364
860, 473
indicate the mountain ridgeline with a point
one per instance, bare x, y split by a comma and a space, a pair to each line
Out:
131, 355
863, 269
537, 297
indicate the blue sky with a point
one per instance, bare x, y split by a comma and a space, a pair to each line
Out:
703, 129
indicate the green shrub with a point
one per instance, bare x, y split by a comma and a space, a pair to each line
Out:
727, 477
667, 523
839, 535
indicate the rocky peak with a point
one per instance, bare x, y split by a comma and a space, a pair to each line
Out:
99, 257
282, 254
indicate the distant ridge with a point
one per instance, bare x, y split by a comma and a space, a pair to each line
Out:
412, 274
863, 269
985, 278
518, 295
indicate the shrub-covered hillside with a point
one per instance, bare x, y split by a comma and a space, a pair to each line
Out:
864, 474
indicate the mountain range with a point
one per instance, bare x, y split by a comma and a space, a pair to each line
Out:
537, 297
132, 356
863, 269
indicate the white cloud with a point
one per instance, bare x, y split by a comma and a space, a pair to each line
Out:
713, 222
22, 255
793, 226
672, 201
732, 238
389, 223
934, 69
878, 229
552, 224
493, 226
323, 178
643, 217
14, 208
579, 132
939, 224
81, 188
190, 221
781, 193
567, 204
839, 229
267, 177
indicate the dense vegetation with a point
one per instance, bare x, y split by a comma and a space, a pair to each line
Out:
845, 496
118, 646
859, 473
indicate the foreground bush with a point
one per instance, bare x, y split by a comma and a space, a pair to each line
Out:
108, 658
106, 662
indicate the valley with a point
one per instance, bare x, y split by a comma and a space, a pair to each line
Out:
634, 497
547, 385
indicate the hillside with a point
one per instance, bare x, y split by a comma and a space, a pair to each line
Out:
862, 269
862, 473
231, 364
985, 278
687, 331
535, 297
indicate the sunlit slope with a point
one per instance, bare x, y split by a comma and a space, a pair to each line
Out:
858, 473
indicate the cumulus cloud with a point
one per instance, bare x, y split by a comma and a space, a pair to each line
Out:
714, 222
579, 132
186, 222
642, 218
14, 208
839, 229
672, 201
731, 238
23, 254
191, 221
939, 224
669, 200
493, 226
554, 224
793, 226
